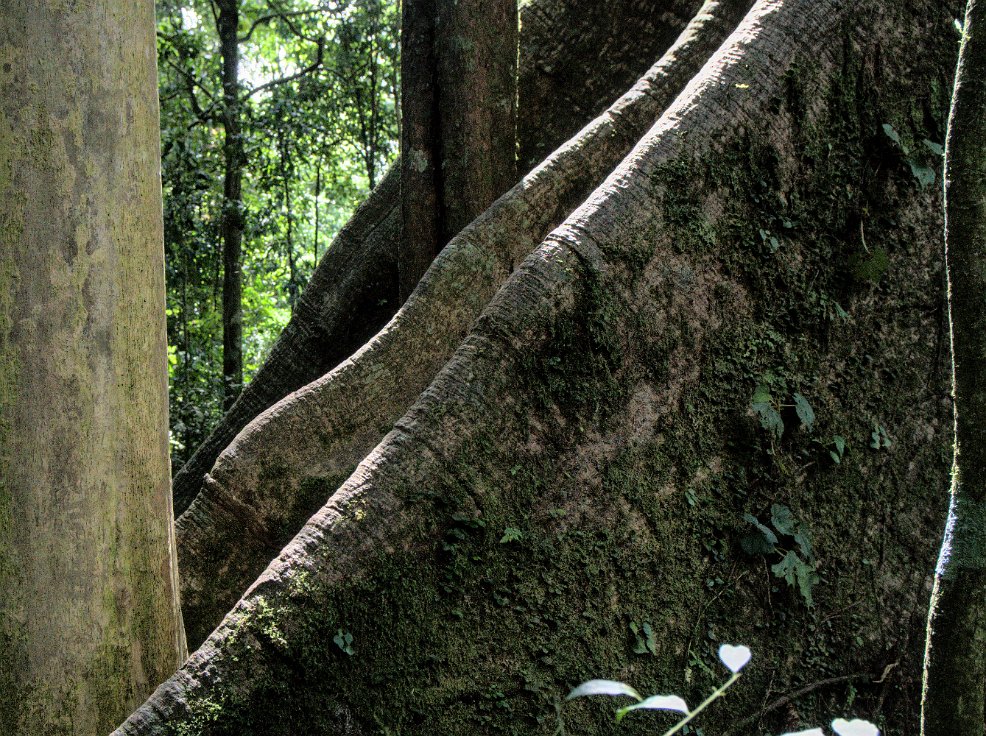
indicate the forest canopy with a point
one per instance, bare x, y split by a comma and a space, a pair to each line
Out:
318, 107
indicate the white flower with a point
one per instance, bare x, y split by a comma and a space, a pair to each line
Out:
734, 657
809, 732
855, 727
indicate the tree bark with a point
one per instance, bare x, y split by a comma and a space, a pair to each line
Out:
458, 140
258, 497
955, 677
601, 407
89, 618
354, 291
575, 60
227, 26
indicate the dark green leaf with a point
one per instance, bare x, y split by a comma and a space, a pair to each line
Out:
892, 134
770, 418
805, 413
783, 520
925, 175
767, 533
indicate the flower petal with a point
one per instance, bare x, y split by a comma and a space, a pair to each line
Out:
603, 687
734, 657
655, 702
855, 727
809, 732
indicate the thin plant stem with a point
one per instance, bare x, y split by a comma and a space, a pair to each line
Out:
703, 705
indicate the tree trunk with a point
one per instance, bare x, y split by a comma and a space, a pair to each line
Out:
458, 140
955, 685
227, 26
257, 498
89, 619
764, 243
354, 291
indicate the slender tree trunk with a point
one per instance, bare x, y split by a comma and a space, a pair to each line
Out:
318, 193
955, 678
289, 217
89, 619
232, 209
458, 141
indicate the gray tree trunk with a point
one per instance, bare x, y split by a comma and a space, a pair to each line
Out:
458, 138
89, 618
955, 680
584, 461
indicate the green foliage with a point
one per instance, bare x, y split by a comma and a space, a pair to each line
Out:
788, 537
805, 413
645, 638
768, 411
344, 640
921, 165
315, 143
879, 439
510, 534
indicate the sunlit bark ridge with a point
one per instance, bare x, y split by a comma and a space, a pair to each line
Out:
955, 684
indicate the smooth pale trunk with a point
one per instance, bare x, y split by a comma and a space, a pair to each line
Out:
89, 619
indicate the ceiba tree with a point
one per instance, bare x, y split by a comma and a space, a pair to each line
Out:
89, 619
684, 383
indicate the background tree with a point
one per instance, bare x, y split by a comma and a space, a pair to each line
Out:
89, 619
955, 681
458, 138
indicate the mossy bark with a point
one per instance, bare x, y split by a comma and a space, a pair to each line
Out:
89, 619
955, 684
577, 57
287, 462
765, 231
